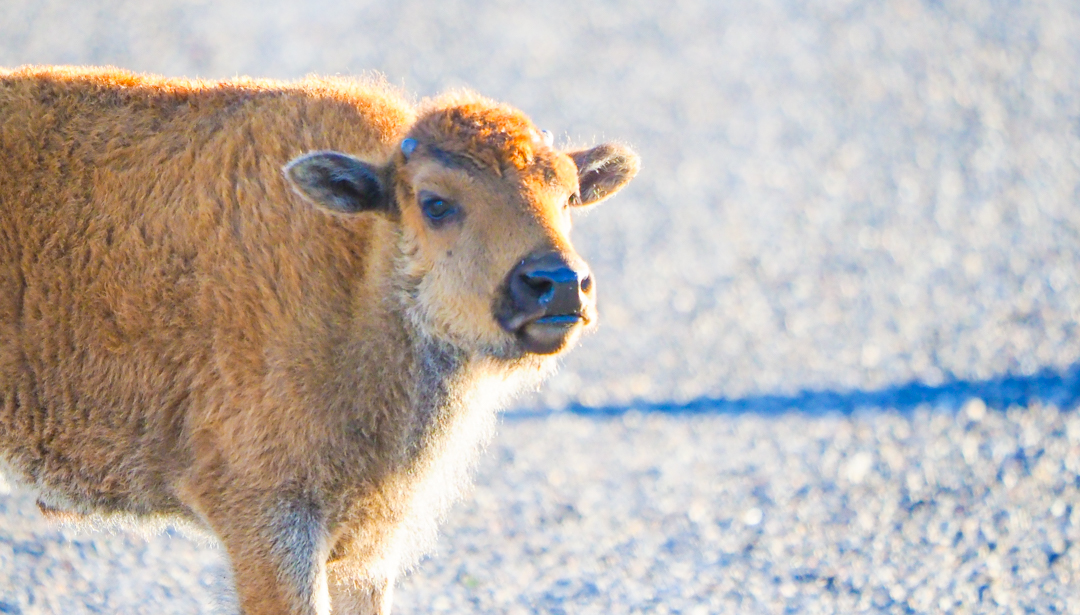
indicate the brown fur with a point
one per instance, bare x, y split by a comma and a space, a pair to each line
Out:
184, 335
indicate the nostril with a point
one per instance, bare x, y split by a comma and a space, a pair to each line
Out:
541, 286
586, 284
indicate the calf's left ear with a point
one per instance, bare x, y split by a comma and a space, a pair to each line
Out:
339, 182
604, 170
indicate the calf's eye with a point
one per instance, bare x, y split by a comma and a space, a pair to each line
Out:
437, 209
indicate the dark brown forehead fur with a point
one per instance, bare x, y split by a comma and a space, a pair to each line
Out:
488, 136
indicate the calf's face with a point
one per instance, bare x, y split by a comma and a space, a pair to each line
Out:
483, 202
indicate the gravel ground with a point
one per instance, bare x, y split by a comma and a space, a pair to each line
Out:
935, 511
839, 360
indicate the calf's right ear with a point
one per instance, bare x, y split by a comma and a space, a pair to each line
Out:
339, 182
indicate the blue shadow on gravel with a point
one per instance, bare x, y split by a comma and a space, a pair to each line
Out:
1061, 388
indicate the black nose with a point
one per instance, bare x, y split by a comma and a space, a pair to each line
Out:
550, 285
546, 300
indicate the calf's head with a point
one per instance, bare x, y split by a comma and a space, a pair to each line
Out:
483, 202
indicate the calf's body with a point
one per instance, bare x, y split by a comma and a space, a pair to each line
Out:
302, 362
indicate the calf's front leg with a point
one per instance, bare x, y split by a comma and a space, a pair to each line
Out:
277, 543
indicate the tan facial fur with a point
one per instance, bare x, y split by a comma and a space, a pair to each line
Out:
460, 266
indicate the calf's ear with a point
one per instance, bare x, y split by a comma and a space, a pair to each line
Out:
604, 170
339, 182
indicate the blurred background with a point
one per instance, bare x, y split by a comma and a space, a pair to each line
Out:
838, 358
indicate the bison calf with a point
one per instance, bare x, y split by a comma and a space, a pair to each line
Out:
283, 312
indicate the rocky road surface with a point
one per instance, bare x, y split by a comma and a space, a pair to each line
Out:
839, 362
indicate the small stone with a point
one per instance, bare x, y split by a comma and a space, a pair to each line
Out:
753, 516
859, 466
975, 409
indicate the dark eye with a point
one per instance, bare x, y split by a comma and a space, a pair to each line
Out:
574, 200
437, 209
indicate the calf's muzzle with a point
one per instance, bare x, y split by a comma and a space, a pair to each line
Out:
547, 299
